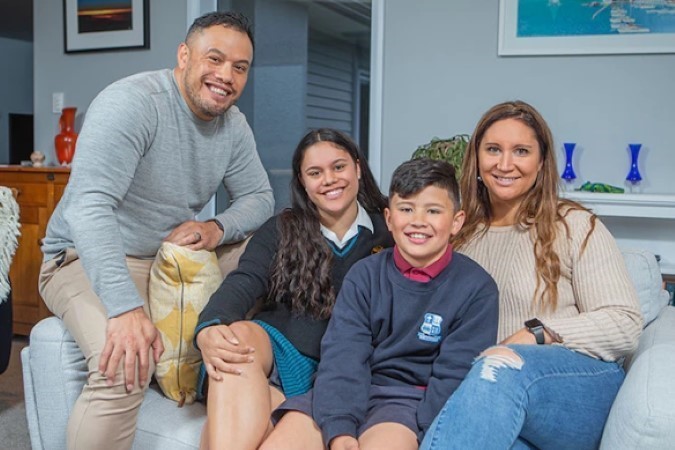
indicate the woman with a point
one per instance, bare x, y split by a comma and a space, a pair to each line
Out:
568, 310
295, 262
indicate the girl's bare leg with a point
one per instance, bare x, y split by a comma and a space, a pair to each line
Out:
388, 436
276, 398
238, 407
295, 431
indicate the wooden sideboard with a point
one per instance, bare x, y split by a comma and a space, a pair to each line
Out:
38, 190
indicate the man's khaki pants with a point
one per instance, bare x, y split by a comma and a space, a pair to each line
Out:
104, 417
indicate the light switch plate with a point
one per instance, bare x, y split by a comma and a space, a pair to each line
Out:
57, 102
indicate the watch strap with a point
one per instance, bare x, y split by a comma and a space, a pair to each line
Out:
538, 334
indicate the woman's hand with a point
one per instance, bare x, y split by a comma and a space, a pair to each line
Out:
524, 336
344, 443
222, 351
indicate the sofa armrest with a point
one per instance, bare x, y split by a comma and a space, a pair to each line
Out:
54, 373
29, 401
646, 276
58, 372
643, 415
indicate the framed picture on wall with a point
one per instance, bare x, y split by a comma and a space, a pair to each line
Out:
104, 25
560, 27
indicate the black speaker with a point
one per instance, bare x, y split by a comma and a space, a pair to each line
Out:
20, 137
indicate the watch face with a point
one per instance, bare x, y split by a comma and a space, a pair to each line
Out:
534, 323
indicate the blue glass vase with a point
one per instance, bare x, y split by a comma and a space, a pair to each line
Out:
568, 174
634, 176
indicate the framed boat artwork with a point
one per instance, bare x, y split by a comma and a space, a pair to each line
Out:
578, 27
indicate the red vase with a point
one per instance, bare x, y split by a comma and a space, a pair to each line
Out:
65, 140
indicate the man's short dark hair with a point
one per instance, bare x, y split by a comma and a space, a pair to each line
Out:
228, 19
411, 177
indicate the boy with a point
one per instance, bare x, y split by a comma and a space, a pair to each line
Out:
407, 323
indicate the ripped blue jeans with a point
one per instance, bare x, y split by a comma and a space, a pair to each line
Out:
528, 397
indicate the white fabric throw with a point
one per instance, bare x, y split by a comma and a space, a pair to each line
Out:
9, 232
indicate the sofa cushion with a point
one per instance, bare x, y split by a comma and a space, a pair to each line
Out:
181, 282
178, 428
642, 415
646, 276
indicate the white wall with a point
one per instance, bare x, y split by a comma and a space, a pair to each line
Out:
80, 76
16, 86
441, 72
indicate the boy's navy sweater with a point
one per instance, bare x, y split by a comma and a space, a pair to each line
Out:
238, 293
385, 331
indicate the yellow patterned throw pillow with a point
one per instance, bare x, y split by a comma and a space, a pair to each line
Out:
181, 282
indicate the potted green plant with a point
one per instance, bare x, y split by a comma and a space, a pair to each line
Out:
451, 150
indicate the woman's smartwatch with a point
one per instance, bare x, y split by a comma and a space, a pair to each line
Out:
535, 327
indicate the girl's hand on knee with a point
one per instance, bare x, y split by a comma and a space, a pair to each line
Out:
222, 351
344, 443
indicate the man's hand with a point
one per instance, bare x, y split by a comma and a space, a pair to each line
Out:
222, 350
344, 443
196, 235
130, 336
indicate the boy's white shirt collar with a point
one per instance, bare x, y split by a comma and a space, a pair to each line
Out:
362, 220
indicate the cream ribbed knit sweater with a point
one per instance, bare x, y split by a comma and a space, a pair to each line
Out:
598, 312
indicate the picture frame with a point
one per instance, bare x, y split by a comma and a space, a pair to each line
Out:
556, 27
102, 25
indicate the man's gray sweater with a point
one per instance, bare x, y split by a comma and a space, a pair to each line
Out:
144, 164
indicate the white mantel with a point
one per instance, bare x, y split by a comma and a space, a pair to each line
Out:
655, 206
644, 221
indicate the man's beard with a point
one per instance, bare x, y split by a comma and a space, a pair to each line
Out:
205, 108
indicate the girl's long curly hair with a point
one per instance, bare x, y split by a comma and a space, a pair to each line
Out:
301, 271
541, 211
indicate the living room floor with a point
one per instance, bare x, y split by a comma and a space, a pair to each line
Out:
13, 425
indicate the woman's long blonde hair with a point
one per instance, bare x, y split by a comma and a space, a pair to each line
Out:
540, 211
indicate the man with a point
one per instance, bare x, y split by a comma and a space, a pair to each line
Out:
152, 151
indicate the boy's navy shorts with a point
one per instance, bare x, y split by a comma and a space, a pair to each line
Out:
397, 404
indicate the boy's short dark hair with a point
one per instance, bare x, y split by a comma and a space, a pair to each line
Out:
413, 176
229, 19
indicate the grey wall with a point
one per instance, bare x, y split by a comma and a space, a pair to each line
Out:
16, 86
81, 76
441, 72
274, 98
278, 85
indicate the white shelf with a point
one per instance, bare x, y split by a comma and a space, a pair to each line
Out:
653, 235
656, 206
667, 269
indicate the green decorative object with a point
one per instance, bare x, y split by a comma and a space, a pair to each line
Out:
450, 150
600, 187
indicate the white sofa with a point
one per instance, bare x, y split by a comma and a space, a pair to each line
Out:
643, 415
